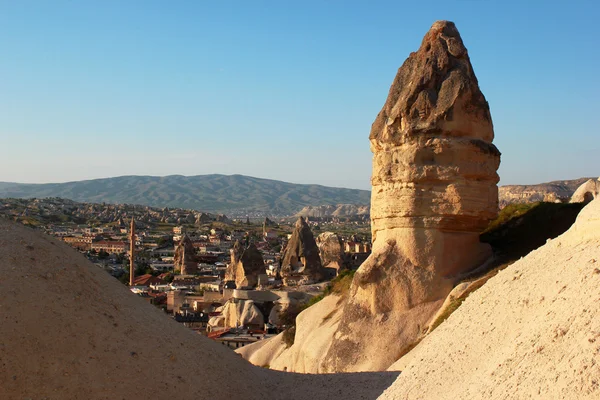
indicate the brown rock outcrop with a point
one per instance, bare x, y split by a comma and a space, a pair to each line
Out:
185, 257
434, 190
245, 266
301, 262
202, 218
331, 251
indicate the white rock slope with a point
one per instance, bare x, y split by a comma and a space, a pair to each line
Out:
531, 332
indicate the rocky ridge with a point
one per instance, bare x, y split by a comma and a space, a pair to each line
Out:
550, 191
337, 210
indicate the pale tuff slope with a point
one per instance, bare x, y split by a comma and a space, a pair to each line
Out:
533, 331
70, 331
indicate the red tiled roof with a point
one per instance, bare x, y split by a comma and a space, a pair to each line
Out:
164, 275
146, 280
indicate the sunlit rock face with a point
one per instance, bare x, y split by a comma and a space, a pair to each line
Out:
301, 262
434, 189
245, 266
185, 257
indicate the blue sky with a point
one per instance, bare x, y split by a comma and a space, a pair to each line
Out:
282, 90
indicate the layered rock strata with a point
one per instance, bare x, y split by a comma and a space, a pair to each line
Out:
301, 262
185, 257
434, 190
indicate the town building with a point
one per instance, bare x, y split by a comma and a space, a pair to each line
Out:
111, 247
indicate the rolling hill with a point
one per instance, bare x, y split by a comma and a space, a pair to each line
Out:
230, 194
549, 191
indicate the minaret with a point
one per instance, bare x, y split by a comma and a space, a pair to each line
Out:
131, 252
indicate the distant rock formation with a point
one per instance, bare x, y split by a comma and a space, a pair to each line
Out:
301, 262
337, 210
236, 253
434, 190
245, 266
203, 218
555, 191
190, 219
185, 257
331, 251
242, 313
587, 191
268, 223
222, 218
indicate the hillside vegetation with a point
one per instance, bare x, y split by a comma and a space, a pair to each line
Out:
522, 228
212, 193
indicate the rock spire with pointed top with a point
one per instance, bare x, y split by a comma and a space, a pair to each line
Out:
301, 262
434, 189
185, 257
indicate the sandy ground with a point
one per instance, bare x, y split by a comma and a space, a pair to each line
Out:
70, 331
531, 332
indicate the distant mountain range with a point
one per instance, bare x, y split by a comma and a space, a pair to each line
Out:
229, 194
239, 195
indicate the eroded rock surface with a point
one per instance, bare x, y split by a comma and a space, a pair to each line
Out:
242, 313
531, 332
587, 192
331, 250
245, 266
185, 257
301, 262
434, 190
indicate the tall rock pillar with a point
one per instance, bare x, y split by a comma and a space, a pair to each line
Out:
434, 189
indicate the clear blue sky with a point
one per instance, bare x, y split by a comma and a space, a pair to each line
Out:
283, 90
